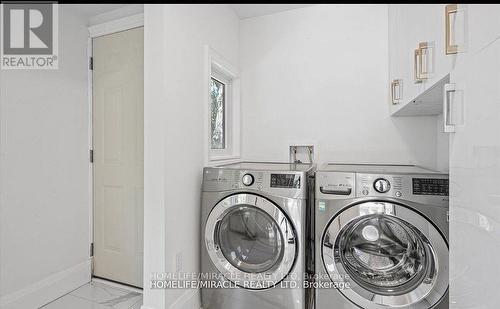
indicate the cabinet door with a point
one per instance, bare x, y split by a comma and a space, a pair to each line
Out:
410, 34
433, 29
394, 56
410, 25
482, 25
475, 26
475, 182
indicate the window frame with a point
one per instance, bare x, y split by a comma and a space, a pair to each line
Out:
219, 68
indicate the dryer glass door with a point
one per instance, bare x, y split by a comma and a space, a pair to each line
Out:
389, 255
250, 241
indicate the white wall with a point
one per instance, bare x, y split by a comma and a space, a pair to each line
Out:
175, 92
320, 75
44, 175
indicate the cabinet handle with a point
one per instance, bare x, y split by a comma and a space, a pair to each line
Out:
448, 126
449, 10
396, 91
422, 71
415, 66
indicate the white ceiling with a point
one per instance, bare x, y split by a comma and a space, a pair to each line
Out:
252, 10
243, 11
90, 10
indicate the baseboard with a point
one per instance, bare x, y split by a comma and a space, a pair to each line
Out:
117, 285
189, 299
49, 289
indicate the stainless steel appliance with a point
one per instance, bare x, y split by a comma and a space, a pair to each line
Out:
381, 237
254, 235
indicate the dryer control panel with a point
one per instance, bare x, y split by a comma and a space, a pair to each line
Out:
285, 184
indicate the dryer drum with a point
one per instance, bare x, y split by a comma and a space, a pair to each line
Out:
384, 254
250, 239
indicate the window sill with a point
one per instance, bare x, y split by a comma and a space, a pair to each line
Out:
222, 160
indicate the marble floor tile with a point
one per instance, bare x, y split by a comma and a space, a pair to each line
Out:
108, 296
96, 295
73, 302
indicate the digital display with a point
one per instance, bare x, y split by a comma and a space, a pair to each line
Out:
430, 186
285, 181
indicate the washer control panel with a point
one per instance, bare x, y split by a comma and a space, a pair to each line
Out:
430, 186
335, 185
401, 186
427, 188
247, 180
379, 185
382, 185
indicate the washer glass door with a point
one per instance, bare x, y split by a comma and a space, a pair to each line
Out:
384, 254
250, 241
390, 255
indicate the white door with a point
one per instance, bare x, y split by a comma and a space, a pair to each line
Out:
118, 143
475, 179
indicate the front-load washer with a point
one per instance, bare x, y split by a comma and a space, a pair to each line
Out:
254, 221
381, 237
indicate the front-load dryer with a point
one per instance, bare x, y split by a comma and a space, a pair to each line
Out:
381, 237
254, 221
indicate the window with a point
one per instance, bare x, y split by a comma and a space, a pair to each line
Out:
218, 113
223, 110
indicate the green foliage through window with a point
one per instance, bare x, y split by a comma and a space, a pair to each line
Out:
217, 115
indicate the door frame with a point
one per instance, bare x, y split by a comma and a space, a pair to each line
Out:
102, 29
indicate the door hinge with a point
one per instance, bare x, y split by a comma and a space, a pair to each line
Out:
91, 63
91, 155
91, 249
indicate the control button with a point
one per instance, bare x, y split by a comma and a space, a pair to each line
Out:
247, 180
365, 192
382, 185
398, 193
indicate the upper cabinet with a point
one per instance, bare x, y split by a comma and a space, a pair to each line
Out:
426, 42
419, 64
475, 36
474, 27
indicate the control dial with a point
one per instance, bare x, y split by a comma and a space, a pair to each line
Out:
247, 180
382, 185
